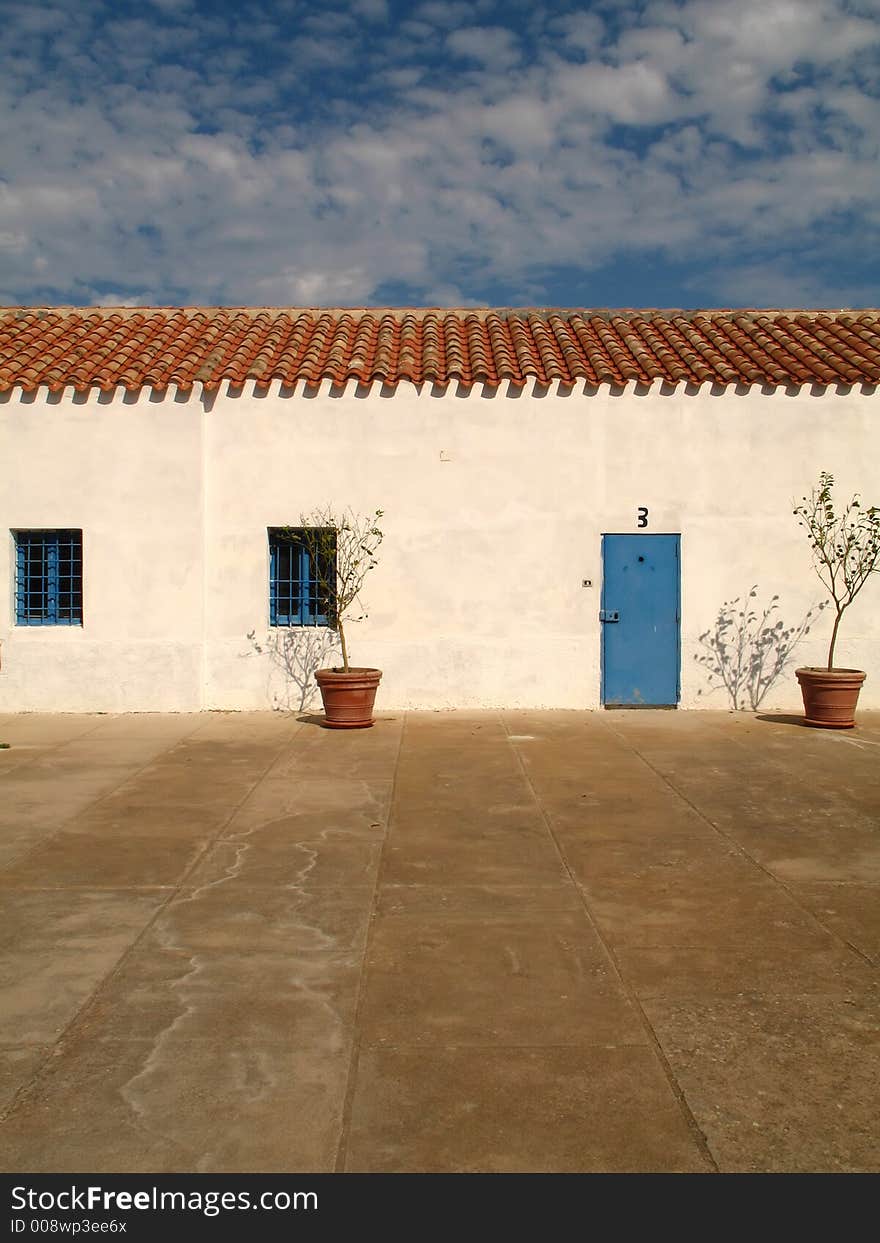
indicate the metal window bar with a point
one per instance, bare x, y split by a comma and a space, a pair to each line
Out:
297, 594
48, 582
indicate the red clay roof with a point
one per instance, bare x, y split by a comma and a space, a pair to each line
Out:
134, 347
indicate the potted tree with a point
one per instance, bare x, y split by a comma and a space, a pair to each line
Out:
342, 548
846, 551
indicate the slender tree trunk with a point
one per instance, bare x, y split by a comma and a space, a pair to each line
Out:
342, 645
834, 640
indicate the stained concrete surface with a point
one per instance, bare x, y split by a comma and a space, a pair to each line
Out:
519, 941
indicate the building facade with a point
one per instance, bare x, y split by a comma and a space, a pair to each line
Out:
571, 503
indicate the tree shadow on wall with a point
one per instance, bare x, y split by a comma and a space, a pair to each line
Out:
748, 648
294, 656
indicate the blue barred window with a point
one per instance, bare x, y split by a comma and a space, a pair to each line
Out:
48, 578
302, 579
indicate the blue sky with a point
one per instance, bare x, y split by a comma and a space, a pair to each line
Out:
374, 152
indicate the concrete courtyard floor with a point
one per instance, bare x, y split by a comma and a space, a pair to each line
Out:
519, 941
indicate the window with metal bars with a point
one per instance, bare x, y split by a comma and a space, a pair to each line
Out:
302, 576
48, 578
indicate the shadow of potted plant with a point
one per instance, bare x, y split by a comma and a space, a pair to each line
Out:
749, 648
846, 551
342, 548
295, 654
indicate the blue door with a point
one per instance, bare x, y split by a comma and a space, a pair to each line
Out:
640, 619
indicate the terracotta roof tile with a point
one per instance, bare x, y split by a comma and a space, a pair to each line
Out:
158, 346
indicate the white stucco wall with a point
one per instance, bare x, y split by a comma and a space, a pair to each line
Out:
128, 474
495, 507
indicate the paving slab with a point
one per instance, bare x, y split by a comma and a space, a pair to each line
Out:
96, 861
48, 729
539, 978
163, 725
230, 915
478, 901
18, 1065
122, 1106
538, 1110
280, 798
814, 963
44, 990
500, 941
686, 900
303, 1000
850, 911
297, 851
779, 1083
118, 815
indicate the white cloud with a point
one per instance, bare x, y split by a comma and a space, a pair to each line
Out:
373, 10
581, 31
776, 285
176, 159
492, 46
447, 13
633, 94
112, 297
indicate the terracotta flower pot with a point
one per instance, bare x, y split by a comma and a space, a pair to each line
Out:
348, 697
830, 696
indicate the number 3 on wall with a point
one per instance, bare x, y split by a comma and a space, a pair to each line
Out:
643, 515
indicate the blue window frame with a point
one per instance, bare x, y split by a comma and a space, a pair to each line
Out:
48, 578
302, 578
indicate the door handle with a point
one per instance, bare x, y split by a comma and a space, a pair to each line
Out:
609, 615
